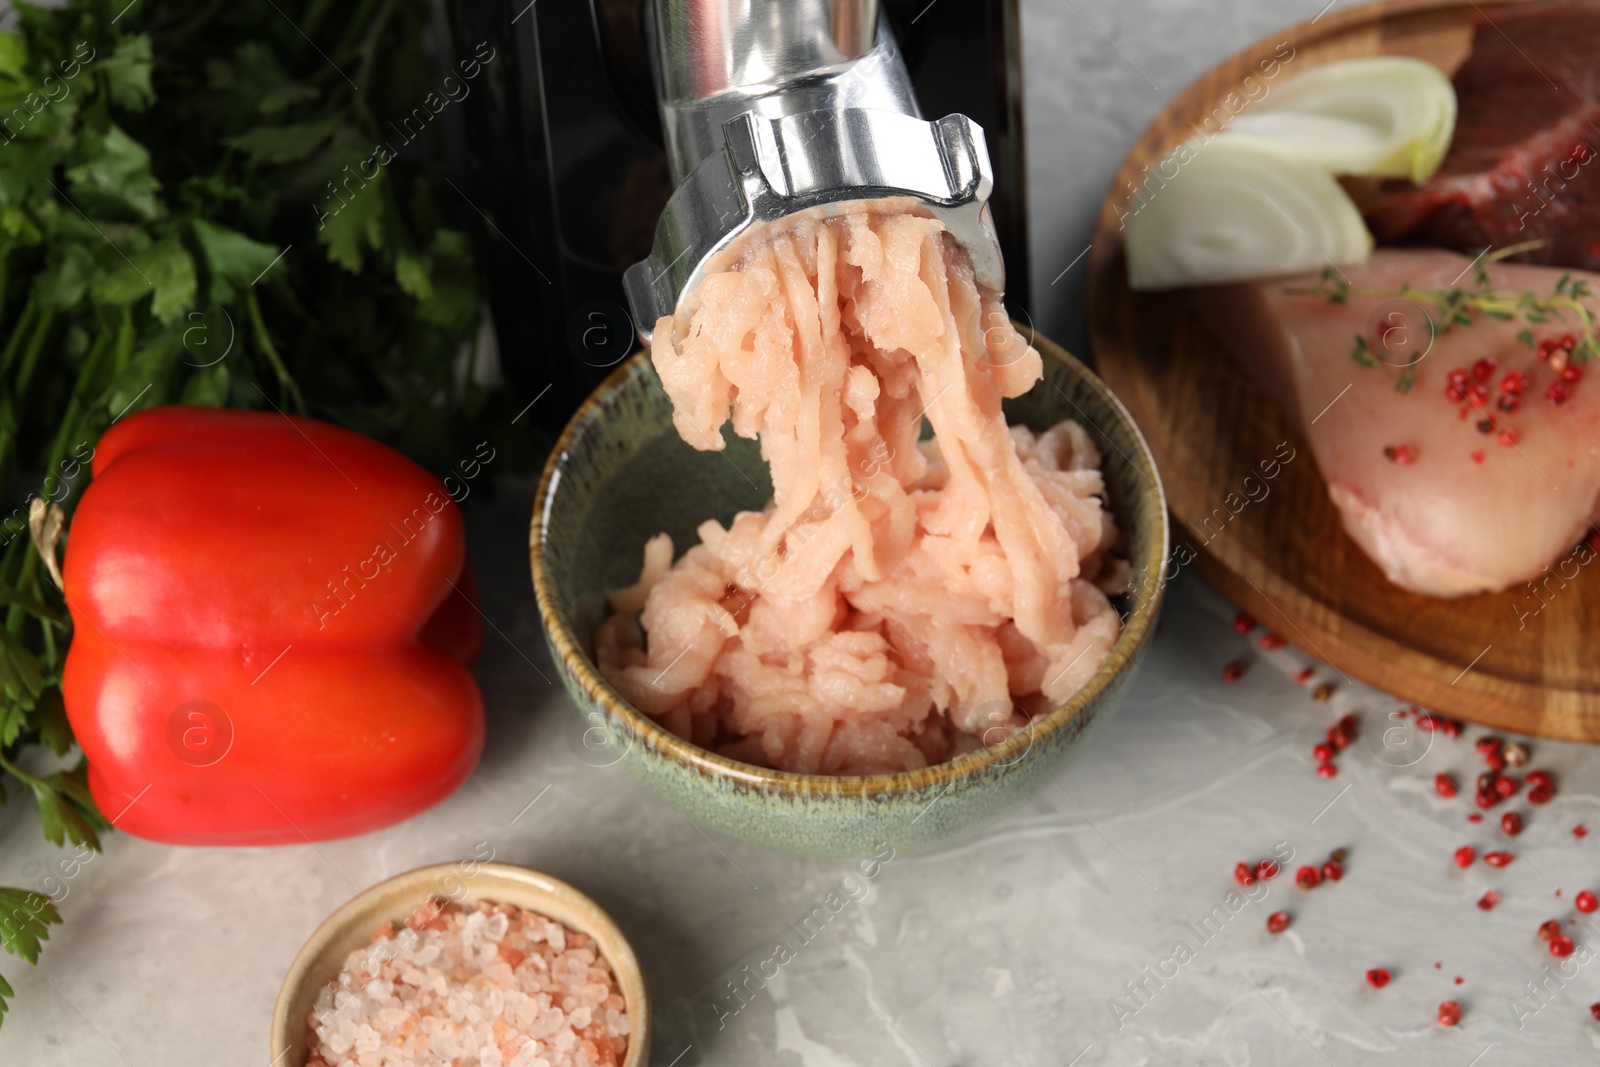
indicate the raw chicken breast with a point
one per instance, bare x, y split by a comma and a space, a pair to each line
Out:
1449, 496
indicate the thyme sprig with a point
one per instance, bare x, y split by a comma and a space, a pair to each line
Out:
1460, 306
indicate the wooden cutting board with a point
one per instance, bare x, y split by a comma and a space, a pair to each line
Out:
1284, 556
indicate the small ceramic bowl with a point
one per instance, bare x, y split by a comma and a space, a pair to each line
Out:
620, 474
352, 926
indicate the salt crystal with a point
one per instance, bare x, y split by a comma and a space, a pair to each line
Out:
437, 996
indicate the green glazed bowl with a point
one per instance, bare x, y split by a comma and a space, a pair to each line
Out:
620, 474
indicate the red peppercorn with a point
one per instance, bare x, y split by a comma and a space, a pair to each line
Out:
1580, 831
1278, 922
1540, 794
1483, 369
1514, 382
1473, 816
1452, 727
1505, 788
1495, 762
1561, 945
1322, 751
1477, 455
1508, 403
1594, 1009
1272, 641
1266, 870
1511, 823
1327, 770
1549, 929
1465, 855
1243, 623
1486, 745
1486, 798
1508, 437
1244, 874
1340, 735
1400, 455
1539, 778
1586, 901
1377, 978
1332, 871
1569, 341
1498, 859
1571, 372
1449, 1013
1233, 672
1477, 396
1455, 393
1489, 900
1307, 877
1558, 392
1444, 785
1304, 675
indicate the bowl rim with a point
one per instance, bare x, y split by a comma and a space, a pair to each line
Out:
597, 923
1135, 631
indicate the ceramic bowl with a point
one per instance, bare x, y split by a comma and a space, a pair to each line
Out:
351, 927
620, 474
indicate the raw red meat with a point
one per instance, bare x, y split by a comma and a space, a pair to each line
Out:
1522, 165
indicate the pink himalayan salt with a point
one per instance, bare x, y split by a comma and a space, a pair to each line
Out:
489, 985
898, 603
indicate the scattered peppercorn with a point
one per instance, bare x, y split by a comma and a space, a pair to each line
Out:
1322, 752
1322, 692
1586, 901
1549, 929
1444, 785
1449, 1013
1489, 900
1465, 855
1511, 823
1278, 922
1377, 978
1307, 877
1332, 871
1272, 641
1327, 770
1266, 870
1233, 671
1243, 623
1244, 874
1498, 859
1561, 946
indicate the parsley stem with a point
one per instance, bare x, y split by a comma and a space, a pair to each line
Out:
259, 327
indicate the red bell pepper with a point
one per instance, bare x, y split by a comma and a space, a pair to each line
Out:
270, 633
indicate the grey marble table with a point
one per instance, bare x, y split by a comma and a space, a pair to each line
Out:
1052, 940
1034, 944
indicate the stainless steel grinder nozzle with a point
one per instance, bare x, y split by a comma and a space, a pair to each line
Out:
773, 108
